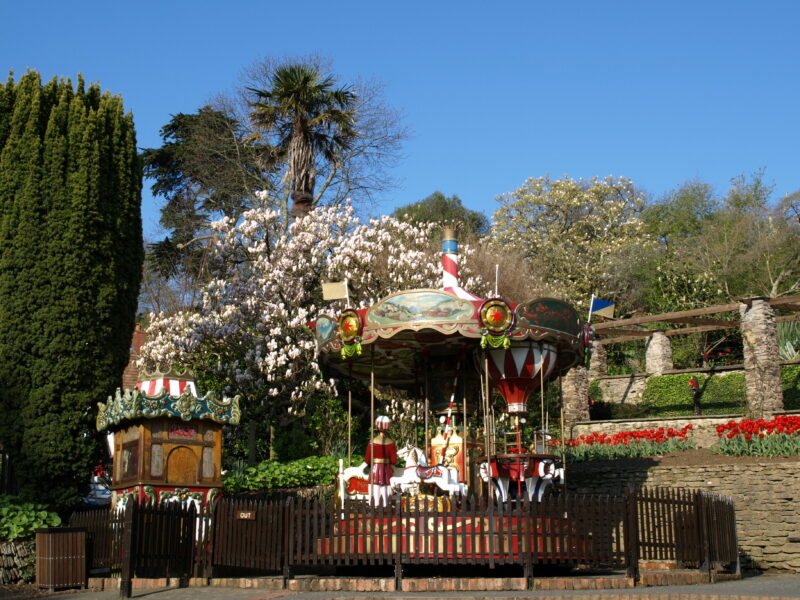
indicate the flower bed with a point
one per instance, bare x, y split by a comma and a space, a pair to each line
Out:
628, 444
748, 437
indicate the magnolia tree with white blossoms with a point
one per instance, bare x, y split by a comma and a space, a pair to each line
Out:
252, 329
577, 233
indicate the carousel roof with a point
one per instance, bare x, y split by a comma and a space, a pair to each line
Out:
403, 330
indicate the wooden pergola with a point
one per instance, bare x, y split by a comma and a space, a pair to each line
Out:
684, 322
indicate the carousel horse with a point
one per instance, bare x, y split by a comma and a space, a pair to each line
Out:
545, 475
417, 471
354, 481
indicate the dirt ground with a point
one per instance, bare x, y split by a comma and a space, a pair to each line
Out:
22, 591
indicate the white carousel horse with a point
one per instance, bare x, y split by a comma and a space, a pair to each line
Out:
417, 471
380, 493
535, 486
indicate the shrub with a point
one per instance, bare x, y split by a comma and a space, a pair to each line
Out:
790, 382
627, 444
19, 520
595, 392
671, 396
272, 475
748, 437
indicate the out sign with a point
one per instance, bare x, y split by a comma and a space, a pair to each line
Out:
246, 515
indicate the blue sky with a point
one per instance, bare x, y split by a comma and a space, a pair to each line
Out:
493, 93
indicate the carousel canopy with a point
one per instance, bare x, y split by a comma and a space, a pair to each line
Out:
402, 332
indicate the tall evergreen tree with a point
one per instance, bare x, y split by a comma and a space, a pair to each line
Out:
70, 268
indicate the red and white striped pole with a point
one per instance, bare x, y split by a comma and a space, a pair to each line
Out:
449, 258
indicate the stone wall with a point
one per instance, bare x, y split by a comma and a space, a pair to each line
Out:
17, 562
765, 494
622, 389
703, 432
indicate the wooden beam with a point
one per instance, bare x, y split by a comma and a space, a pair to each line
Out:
786, 305
709, 310
619, 340
636, 332
701, 329
701, 321
784, 300
787, 318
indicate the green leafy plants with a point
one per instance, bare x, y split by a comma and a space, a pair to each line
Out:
789, 340
19, 519
272, 475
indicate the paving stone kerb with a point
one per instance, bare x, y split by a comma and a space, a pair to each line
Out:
762, 587
765, 494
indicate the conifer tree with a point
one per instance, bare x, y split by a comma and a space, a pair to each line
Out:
70, 264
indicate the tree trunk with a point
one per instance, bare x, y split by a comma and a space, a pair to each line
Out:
301, 204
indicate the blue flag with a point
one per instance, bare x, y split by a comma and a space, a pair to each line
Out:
604, 308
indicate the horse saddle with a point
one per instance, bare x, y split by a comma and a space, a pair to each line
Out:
428, 472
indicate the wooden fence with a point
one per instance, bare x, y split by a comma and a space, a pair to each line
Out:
689, 528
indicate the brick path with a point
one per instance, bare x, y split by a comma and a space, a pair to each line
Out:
762, 587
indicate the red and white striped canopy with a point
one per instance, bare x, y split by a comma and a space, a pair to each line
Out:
175, 386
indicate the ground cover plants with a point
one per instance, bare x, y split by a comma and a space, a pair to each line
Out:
777, 437
628, 444
19, 519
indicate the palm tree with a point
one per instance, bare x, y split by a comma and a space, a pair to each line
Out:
308, 118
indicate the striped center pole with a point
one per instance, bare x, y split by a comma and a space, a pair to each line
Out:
449, 258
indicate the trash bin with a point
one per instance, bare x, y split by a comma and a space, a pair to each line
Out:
61, 557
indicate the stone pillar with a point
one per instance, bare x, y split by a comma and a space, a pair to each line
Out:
598, 363
762, 369
658, 354
575, 388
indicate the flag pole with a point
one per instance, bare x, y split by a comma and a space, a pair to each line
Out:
591, 303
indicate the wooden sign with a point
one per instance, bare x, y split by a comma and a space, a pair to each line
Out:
246, 515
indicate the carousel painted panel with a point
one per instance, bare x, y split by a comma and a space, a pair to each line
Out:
419, 308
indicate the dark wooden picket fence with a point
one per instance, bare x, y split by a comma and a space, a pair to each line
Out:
689, 528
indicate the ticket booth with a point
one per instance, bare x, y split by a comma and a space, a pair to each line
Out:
166, 446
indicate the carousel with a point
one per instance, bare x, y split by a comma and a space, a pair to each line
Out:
454, 353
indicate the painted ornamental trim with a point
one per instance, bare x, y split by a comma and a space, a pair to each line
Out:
132, 405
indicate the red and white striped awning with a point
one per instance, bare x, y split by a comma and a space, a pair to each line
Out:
176, 387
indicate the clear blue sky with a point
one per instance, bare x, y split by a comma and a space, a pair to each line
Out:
494, 93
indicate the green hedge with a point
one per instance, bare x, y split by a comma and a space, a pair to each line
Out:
790, 381
671, 395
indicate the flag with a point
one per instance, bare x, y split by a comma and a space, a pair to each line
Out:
603, 308
334, 290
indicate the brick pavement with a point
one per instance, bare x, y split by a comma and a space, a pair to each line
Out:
762, 587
